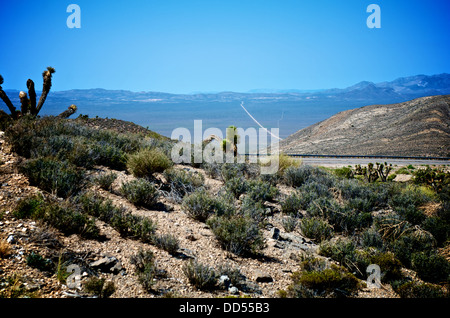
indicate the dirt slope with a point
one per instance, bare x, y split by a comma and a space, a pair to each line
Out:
420, 127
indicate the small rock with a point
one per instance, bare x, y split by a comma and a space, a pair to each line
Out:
233, 290
275, 233
224, 281
262, 277
107, 264
11, 239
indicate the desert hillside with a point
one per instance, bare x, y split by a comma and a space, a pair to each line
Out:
419, 127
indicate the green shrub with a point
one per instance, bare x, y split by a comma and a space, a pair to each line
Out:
259, 190
236, 185
329, 282
167, 242
237, 234
146, 268
200, 205
292, 204
98, 207
316, 228
98, 287
439, 228
200, 276
181, 182
145, 162
431, 267
36, 260
411, 289
134, 226
105, 180
344, 172
61, 216
390, 266
345, 252
254, 210
140, 192
58, 177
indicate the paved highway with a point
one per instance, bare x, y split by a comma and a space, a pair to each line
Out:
341, 162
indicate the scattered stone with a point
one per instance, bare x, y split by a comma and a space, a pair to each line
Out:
233, 290
107, 264
224, 282
262, 277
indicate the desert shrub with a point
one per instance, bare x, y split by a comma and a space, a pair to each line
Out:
346, 253
105, 180
370, 237
134, 226
437, 179
431, 267
316, 228
58, 177
390, 266
200, 205
140, 192
96, 206
167, 242
36, 260
255, 210
70, 221
290, 223
99, 287
344, 172
343, 218
362, 196
329, 282
408, 244
200, 276
181, 182
438, 227
61, 216
146, 268
292, 204
236, 185
30, 207
109, 155
232, 170
410, 289
234, 274
285, 161
237, 234
259, 190
296, 176
145, 162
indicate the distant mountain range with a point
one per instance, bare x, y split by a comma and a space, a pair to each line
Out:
290, 109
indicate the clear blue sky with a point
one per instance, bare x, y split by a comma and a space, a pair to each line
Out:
229, 45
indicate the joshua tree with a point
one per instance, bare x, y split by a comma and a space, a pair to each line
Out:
28, 104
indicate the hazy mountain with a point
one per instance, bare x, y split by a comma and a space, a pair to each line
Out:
420, 127
289, 110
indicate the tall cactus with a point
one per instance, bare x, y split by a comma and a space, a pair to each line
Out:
47, 75
7, 101
28, 104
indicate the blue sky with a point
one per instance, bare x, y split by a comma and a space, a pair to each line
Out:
197, 45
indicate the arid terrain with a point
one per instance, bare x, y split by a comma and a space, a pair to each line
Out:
420, 127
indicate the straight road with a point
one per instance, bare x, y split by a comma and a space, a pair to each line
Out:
342, 162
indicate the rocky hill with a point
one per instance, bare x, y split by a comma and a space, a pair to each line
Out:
420, 127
